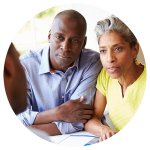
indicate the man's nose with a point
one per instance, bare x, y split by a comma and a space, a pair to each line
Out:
66, 45
110, 57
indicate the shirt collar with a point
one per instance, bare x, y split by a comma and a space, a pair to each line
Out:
53, 71
45, 65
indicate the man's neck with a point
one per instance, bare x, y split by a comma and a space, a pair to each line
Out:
54, 66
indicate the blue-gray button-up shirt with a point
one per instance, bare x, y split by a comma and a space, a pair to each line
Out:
47, 90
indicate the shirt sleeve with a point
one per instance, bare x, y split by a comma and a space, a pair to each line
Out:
28, 116
67, 127
86, 87
102, 82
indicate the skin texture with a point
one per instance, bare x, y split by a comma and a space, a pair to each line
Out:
15, 81
67, 39
117, 58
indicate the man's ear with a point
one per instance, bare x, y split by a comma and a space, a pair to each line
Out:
49, 35
85, 39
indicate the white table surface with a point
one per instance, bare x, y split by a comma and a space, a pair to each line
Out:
80, 141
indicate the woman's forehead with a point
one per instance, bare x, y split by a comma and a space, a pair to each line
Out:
111, 37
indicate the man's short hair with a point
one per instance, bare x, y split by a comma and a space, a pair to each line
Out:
73, 14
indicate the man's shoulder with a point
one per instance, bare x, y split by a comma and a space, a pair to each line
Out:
89, 54
89, 59
31, 54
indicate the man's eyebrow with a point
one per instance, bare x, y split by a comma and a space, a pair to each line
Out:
75, 37
101, 46
58, 33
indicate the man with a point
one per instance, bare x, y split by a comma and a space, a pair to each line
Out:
15, 85
60, 77
15, 81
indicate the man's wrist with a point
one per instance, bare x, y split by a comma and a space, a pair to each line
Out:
58, 114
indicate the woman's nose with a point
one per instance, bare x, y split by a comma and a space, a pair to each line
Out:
110, 57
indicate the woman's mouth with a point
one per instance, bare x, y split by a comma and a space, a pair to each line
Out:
112, 69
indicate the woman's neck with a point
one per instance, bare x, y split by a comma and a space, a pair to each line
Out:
130, 77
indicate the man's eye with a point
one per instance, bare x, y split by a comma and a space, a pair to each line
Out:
102, 51
59, 37
74, 40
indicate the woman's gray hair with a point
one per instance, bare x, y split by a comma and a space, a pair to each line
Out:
113, 23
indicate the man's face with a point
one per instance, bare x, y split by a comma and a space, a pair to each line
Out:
15, 81
67, 39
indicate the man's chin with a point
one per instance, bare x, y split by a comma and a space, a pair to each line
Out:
65, 64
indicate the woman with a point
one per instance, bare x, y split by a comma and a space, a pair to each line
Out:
121, 83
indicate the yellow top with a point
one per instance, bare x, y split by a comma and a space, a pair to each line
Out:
121, 109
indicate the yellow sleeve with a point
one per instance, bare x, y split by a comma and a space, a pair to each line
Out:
102, 82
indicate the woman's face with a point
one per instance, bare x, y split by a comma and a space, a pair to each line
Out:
116, 54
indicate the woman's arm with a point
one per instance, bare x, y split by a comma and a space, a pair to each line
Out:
94, 125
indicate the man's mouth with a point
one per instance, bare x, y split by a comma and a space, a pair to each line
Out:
64, 57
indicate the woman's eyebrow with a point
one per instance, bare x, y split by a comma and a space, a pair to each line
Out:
118, 44
112, 45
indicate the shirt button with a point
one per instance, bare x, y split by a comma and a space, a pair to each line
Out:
63, 76
62, 96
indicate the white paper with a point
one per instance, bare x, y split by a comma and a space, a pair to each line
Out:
73, 141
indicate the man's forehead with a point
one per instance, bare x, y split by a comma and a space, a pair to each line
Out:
65, 18
67, 21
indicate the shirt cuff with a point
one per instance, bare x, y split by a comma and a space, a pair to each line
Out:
27, 117
67, 127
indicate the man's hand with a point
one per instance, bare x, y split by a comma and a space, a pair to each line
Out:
75, 111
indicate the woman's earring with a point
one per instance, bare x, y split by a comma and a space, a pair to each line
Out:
134, 58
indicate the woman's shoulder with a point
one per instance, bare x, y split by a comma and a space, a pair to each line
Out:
102, 81
143, 75
103, 75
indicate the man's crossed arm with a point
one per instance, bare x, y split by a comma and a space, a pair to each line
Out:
70, 111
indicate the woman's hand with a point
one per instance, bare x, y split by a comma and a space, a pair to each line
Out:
106, 133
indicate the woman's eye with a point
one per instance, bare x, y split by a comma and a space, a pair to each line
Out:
118, 48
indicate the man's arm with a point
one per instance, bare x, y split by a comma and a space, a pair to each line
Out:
50, 128
86, 87
70, 111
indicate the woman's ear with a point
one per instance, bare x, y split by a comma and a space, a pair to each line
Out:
136, 50
49, 35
